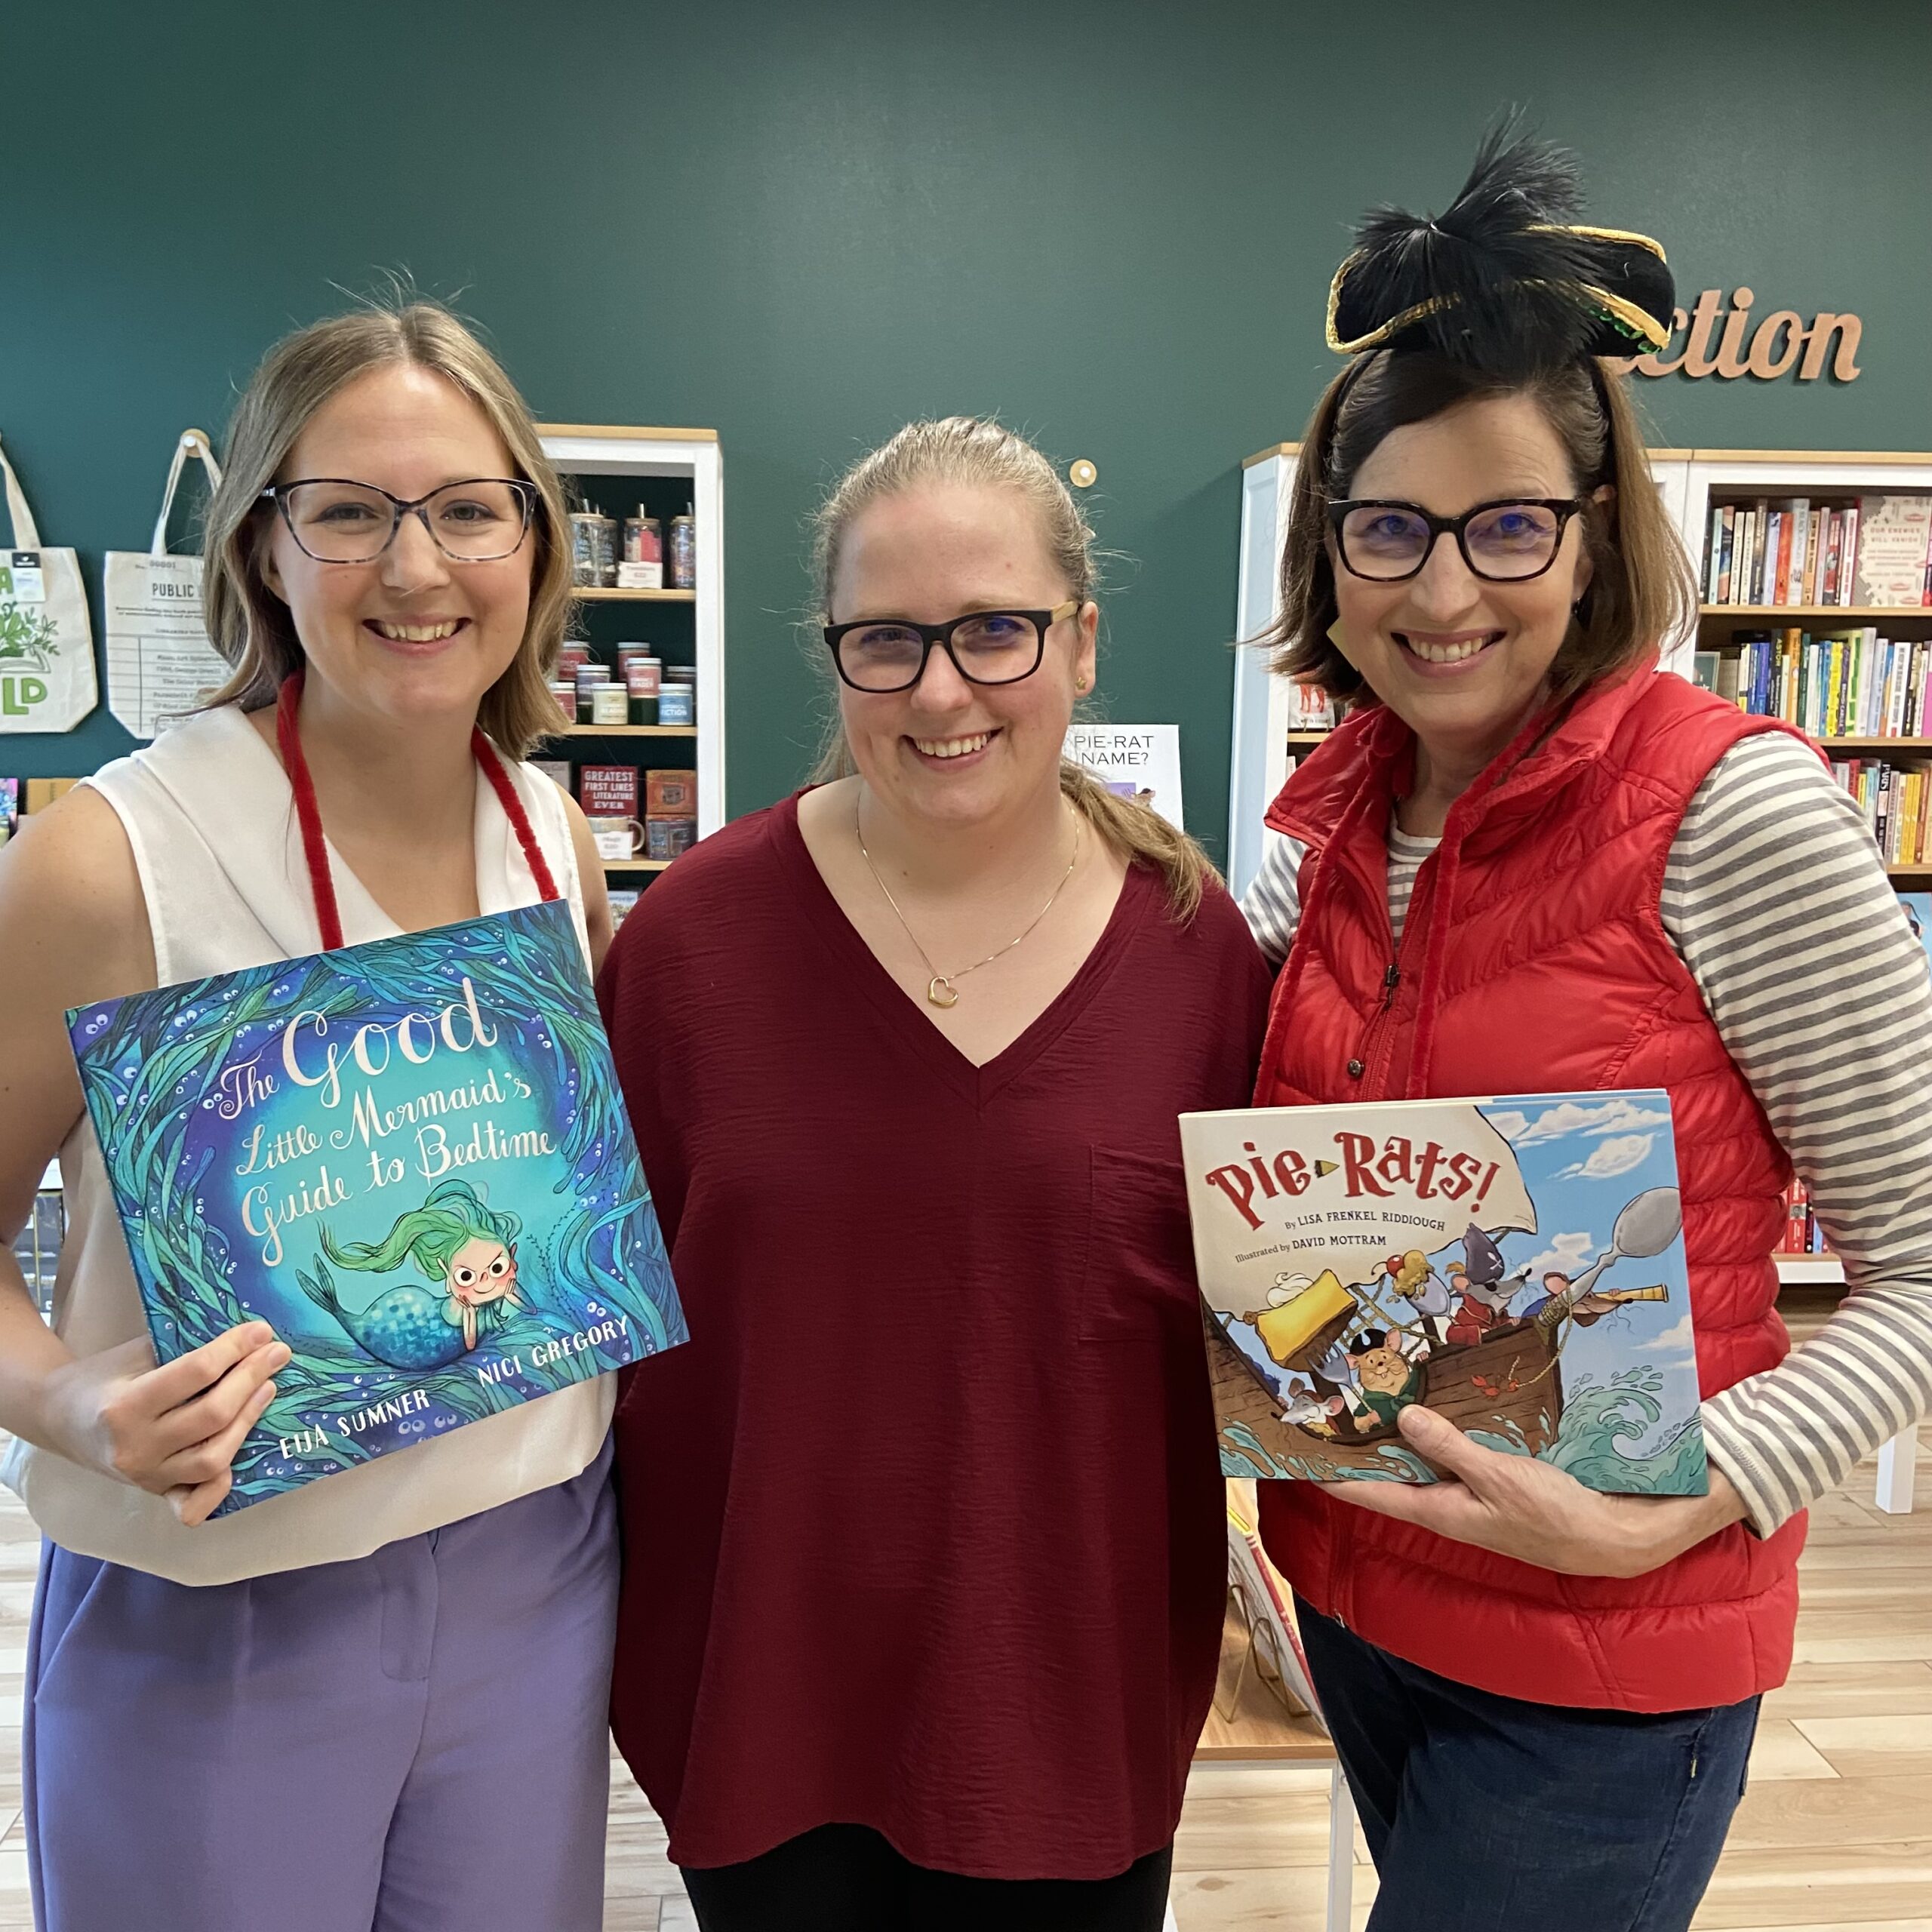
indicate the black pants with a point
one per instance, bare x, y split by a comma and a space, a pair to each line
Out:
847, 1878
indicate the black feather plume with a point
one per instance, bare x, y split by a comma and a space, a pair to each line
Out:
1503, 279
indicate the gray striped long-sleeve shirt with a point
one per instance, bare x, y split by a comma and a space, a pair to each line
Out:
1775, 897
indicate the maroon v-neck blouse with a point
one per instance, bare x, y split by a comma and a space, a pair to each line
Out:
924, 1529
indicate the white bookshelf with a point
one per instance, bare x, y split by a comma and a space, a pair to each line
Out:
690, 457
1259, 766
1689, 479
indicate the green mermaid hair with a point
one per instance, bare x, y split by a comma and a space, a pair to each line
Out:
452, 1214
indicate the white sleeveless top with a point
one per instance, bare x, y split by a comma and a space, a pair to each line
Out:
212, 821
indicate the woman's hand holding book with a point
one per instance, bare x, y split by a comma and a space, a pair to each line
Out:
172, 1430
1524, 1508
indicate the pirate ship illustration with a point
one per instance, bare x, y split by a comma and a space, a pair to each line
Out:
1385, 1285
1508, 1380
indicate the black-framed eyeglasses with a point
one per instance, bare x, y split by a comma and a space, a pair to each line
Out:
336, 521
986, 646
1507, 541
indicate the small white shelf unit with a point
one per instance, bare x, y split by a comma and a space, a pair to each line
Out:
692, 457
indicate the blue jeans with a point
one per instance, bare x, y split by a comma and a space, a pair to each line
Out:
1486, 1814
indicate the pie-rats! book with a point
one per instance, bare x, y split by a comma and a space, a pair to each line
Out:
410, 1157
1516, 1265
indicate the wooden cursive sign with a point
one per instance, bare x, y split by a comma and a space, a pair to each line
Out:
1782, 339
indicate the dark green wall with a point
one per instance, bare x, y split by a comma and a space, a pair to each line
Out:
1112, 222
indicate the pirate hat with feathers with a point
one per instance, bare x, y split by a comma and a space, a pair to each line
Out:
1504, 278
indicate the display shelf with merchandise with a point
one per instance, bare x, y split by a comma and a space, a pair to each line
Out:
665, 470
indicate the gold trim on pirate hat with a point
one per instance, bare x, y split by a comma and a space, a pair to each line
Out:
1501, 278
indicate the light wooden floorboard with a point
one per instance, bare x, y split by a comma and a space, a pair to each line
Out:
1835, 1832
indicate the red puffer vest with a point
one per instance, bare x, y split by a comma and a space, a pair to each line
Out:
1534, 959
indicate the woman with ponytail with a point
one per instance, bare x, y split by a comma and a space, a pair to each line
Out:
923, 1535
1528, 861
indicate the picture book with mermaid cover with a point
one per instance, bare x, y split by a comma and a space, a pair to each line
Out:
1515, 1264
409, 1157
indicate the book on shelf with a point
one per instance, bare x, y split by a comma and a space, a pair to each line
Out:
41, 792
1894, 548
1514, 1264
1801, 1234
1850, 684
608, 791
409, 1157
1801, 551
1310, 708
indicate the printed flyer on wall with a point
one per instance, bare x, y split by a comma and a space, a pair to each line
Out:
410, 1157
1516, 1265
1138, 761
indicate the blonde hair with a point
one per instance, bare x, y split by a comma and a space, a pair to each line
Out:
975, 452
252, 627
1642, 588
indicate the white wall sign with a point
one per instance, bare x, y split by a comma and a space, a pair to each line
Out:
1139, 761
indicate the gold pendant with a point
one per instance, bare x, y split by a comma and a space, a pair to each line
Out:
941, 992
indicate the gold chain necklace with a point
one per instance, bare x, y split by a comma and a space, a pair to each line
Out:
943, 989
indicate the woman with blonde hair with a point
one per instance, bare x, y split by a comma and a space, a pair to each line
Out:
377, 1699
924, 1532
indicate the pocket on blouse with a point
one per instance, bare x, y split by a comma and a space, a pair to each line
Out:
1139, 1283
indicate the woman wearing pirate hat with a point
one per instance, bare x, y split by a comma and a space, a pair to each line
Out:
1528, 861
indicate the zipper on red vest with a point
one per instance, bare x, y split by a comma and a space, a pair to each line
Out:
1376, 1036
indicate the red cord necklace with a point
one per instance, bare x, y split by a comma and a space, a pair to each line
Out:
309, 817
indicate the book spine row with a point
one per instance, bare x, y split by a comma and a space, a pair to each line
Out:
1852, 684
1894, 799
1802, 553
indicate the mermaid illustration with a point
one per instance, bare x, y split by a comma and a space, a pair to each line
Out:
466, 1248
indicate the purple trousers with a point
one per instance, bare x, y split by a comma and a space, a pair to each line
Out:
414, 1742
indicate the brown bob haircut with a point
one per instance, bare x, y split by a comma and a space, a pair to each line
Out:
1642, 588
251, 627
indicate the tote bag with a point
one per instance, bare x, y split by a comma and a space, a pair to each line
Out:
47, 678
160, 662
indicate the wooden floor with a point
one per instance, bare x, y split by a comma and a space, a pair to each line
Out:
1836, 1830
